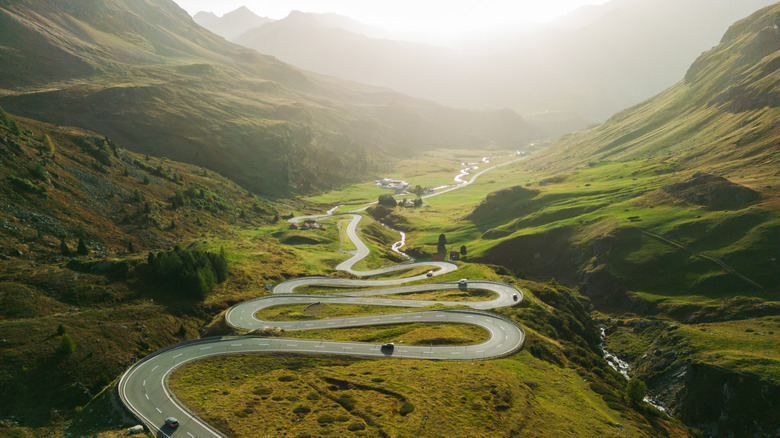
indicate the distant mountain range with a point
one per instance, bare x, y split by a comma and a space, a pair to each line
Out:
582, 67
232, 24
145, 74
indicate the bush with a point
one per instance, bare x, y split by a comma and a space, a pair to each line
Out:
347, 401
38, 171
354, 427
386, 201
636, 390
406, 408
326, 419
24, 185
302, 410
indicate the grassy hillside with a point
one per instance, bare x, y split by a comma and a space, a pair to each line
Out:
149, 77
722, 118
61, 186
557, 386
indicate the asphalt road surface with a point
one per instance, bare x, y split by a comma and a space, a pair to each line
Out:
144, 390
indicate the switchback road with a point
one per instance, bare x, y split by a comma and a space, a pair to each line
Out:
144, 390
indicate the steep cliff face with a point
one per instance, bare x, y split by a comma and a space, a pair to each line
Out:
724, 403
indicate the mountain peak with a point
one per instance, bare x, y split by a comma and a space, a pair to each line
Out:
233, 23
243, 11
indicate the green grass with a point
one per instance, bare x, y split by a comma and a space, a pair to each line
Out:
445, 295
746, 346
305, 312
409, 334
255, 395
356, 194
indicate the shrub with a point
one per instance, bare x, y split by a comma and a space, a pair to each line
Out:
39, 172
636, 390
326, 419
356, 426
386, 201
302, 410
347, 401
406, 408
24, 185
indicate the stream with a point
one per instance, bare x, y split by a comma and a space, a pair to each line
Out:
622, 367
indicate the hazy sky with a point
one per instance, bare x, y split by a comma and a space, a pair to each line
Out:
442, 18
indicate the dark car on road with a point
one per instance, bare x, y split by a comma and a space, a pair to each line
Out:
172, 422
388, 347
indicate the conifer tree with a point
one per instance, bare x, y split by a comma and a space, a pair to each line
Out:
15, 130
64, 250
82, 248
67, 344
48, 145
3, 117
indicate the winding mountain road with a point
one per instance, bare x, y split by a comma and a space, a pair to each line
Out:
144, 390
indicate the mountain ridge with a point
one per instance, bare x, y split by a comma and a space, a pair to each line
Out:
160, 84
584, 69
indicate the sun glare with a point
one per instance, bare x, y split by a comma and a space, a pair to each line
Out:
432, 19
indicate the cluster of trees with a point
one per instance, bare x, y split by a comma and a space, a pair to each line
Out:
194, 273
81, 248
441, 246
199, 197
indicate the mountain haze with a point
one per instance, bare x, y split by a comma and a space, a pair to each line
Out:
146, 75
593, 62
232, 24
722, 116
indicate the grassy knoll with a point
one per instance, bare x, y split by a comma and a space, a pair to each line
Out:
445, 295
296, 396
305, 312
379, 239
344, 240
409, 334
